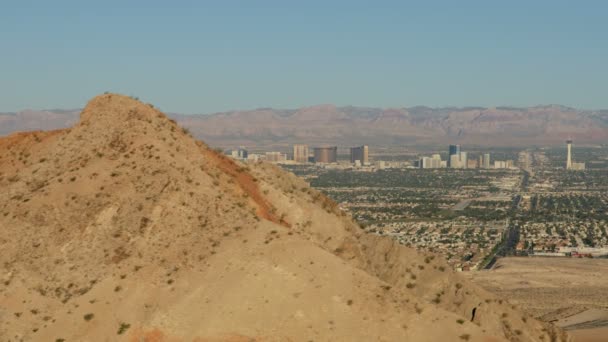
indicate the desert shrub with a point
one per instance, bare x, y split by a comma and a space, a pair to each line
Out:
123, 327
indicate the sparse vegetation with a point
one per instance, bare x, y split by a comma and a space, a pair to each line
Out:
123, 328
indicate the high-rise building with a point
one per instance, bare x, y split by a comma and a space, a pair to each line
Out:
360, 153
570, 164
569, 158
242, 153
275, 157
300, 153
464, 160
486, 161
424, 163
326, 155
454, 161
453, 150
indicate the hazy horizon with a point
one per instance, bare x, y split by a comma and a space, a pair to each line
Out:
67, 109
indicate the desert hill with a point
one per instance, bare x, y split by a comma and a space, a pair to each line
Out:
349, 126
124, 227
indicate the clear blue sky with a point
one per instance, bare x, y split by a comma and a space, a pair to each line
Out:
207, 56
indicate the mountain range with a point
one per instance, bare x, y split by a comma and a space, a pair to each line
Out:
348, 126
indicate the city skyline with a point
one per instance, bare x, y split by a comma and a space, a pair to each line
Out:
359, 158
304, 171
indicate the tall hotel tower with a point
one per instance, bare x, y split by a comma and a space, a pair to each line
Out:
569, 160
453, 150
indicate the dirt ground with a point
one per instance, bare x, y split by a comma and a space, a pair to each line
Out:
570, 292
549, 288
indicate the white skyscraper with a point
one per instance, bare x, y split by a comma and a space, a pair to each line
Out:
464, 160
569, 160
455, 161
486, 161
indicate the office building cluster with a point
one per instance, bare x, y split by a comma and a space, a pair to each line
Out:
240, 153
359, 155
458, 159
433, 162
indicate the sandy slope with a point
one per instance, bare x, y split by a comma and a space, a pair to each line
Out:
125, 228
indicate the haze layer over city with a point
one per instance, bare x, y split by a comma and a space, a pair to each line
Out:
315, 171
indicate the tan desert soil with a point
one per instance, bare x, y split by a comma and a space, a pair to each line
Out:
125, 228
549, 288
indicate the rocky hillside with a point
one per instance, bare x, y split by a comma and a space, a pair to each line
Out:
503, 126
124, 227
